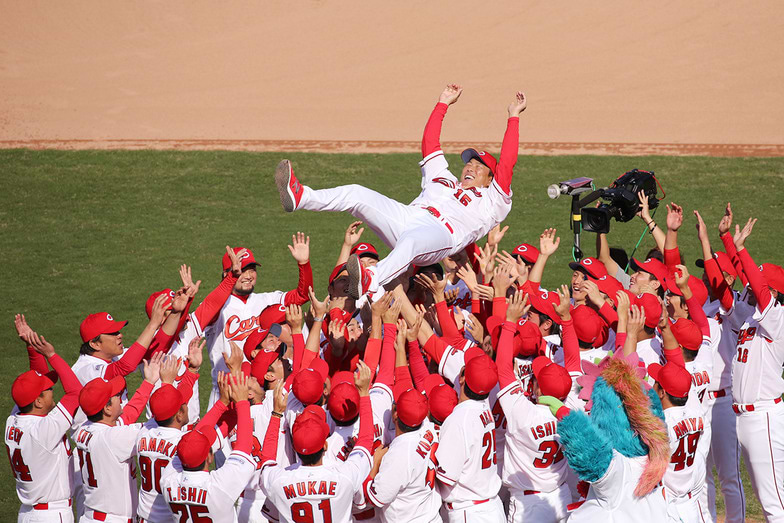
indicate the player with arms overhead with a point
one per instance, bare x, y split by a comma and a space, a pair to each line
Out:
448, 214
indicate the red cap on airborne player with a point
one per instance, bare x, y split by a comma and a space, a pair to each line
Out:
365, 249
483, 156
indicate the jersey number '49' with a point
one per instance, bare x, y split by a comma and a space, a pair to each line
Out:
684, 456
488, 444
21, 470
302, 512
190, 513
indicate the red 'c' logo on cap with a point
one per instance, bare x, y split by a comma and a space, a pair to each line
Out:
523, 248
282, 308
171, 294
545, 295
587, 262
109, 317
481, 153
362, 247
246, 255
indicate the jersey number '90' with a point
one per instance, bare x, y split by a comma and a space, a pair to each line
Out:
302, 512
150, 472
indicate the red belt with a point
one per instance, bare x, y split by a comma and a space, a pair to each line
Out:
717, 393
101, 516
434, 212
529, 492
45, 506
449, 505
738, 408
366, 514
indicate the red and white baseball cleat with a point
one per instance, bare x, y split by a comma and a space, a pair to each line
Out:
359, 278
288, 186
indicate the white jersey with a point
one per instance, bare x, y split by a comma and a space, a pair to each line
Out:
730, 323
756, 369
611, 498
207, 496
87, 368
650, 351
467, 465
236, 320
470, 211
701, 370
156, 448
319, 494
688, 450
179, 349
405, 483
343, 437
106, 460
40, 460
533, 458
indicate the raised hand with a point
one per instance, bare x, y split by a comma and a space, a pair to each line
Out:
515, 306
474, 327
40, 344
518, 105
502, 279
336, 335
353, 234
393, 312
681, 276
742, 234
158, 310
726, 221
401, 336
168, 370
238, 387
300, 247
564, 307
548, 242
623, 304
236, 259
152, 368
233, 359
179, 300
644, 211
294, 318
318, 308
496, 234
413, 331
450, 296
702, 229
381, 305
224, 388
636, 320
195, 353
450, 94
280, 399
433, 285
23, 330
486, 259
674, 216
467, 274
362, 378
594, 294
187, 281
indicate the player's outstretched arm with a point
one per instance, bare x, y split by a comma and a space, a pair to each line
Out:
758, 284
23, 330
635, 324
569, 335
672, 255
511, 144
505, 351
729, 243
548, 244
362, 381
300, 251
715, 278
431, 138
133, 356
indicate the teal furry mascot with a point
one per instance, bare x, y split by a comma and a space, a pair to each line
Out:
621, 449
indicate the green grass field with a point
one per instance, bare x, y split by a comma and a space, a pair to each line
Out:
97, 231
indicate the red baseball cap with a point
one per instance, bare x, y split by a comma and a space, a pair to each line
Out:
261, 364
166, 401
257, 337
553, 379
652, 307
697, 286
674, 379
308, 434
154, 296
527, 252
774, 276
588, 325
343, 402
247, 259
441, 398
494, 324
687, 333
609, 286
481, 373
96, 393
99, 323
589, 266
543, 301
483, 156
530, 338
314, 411
308, 386
365, 249
411, 407
272, 315
653, 267
336, 272
194, 447
724, 262
29, 385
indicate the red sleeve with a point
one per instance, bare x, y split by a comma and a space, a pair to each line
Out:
161, 342
447, 322
37, 361
697, 315
127, 364
299, 351
509, 150
758, 284
269, 450
244, 427
365, 436
212, 416
373, 353
620, 339
403, 380
227, 421
207, 311
386, 369
472, 250
499, 306
505, 354
300, 295
307, 358
71, 384
609, 315
717, 283
417, 365
435, 347
674, 355
571, 347
432, 135
186, 382
135, 406
672, 257
732, 252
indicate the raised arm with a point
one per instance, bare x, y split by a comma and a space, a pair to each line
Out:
71, 384
511, 144
514, 311
672, 256
300, 251
362, 381
431, 138
571, 345
548, 244
135, 354
758, 284
23, 330
207, 311
645, 215
352, 236
729, 244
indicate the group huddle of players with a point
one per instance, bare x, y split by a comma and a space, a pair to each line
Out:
408, 390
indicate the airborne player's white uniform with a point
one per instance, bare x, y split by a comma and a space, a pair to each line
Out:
467, 469
534, 466
757, 386
207, 496
156, 448
105, 456
441, 221
684, 479
405, 483
321, 494
40, 462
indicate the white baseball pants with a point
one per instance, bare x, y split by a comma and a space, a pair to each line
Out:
544, 507
413, 234
725, 456
761, 438
684, 510
28, 514
489, 512
249, 510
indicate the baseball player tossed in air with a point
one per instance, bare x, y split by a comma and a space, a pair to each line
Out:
35, 435
448, 214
